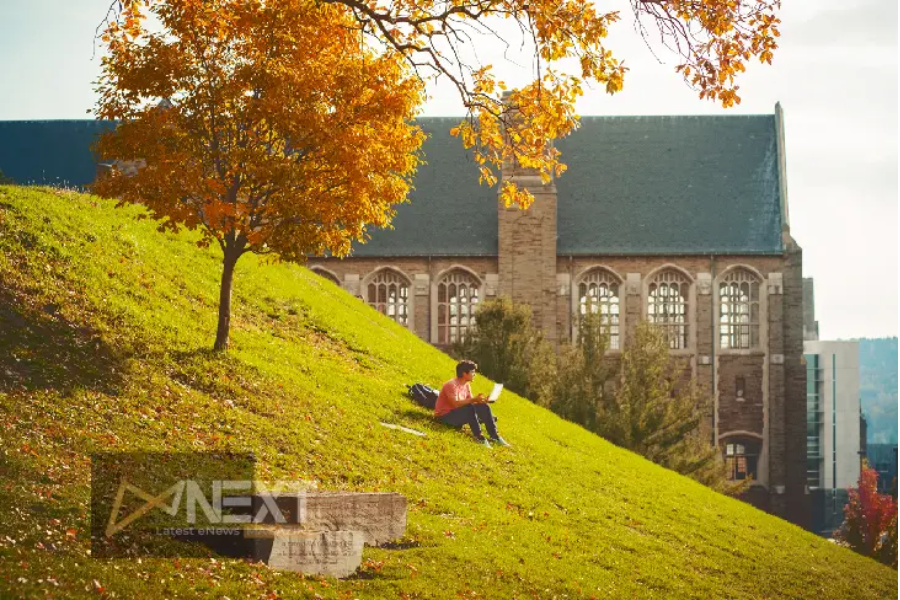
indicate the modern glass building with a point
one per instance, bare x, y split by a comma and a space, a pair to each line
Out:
833, 441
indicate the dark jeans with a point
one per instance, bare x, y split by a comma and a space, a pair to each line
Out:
472, 414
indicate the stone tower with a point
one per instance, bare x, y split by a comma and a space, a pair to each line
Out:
527, 249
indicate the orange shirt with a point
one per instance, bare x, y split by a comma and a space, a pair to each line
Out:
451, 393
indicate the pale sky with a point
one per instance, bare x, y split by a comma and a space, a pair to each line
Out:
835, 76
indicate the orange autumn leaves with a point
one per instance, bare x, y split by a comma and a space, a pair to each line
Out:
723, 36
714, 40
287, 127
271, 127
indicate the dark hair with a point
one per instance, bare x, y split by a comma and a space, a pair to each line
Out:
464, 367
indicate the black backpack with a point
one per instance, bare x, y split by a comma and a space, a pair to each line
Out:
423, 395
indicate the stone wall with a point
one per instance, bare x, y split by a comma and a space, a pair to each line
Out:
527, 261
741, 413
798, 507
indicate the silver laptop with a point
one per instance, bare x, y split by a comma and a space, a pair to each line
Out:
495, 393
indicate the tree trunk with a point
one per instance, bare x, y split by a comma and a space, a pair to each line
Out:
229, 262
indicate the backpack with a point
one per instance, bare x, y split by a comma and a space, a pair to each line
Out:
424, 395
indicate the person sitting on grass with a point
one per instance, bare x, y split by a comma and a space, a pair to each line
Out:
456, 406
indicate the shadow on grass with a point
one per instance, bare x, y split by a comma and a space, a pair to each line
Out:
420, 417
217, 374
41, 350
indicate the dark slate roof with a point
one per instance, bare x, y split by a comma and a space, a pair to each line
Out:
449, 213
670, 185
635, 185
50, 152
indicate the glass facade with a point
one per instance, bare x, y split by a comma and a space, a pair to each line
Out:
834, 430
815, 413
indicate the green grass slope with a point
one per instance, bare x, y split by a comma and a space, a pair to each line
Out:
104, 331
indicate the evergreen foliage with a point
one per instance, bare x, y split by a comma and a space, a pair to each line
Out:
508, 348
634, 402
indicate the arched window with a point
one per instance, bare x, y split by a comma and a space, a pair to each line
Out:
739, 310
326, 275
598, 293
457, 299
667, 306
741, 457
388, 293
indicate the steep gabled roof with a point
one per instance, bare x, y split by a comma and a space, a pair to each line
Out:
635, 185
670, 185
449, 213
50, 152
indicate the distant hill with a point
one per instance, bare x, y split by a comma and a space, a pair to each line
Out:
878, 388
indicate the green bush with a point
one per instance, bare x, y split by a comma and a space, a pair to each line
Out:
508, 348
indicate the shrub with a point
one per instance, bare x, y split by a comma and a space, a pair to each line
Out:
583, 384
870, 520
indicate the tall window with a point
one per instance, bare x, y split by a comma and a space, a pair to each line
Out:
598, 293
456, 303
388, 293
667, 306
739, 310
741, 456
326, 275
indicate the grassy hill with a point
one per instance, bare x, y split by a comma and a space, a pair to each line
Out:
105, 326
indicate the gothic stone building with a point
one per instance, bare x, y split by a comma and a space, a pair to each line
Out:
682, 221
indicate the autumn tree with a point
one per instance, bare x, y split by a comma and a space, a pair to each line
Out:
286, 124
713, 40
272, 127
870, 520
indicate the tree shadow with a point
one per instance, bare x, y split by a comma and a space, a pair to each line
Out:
202, 369
41, 350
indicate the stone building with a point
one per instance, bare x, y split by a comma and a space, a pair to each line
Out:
679, 220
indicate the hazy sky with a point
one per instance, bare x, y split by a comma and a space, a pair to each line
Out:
835, 76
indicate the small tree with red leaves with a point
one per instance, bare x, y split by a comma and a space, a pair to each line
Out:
870, 520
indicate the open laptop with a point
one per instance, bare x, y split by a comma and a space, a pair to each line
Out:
495, 393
